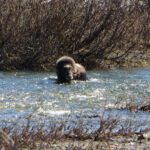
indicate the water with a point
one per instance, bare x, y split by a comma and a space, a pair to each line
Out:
36, 95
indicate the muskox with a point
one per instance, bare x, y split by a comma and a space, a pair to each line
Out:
67, 70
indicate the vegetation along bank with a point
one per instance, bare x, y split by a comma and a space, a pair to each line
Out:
98, 34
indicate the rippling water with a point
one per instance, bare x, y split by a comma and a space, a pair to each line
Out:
25, 93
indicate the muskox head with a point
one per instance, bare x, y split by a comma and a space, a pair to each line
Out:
67, 70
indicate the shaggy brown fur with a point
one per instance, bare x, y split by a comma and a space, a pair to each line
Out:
67, 70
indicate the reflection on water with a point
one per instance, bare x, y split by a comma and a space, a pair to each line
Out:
24, 93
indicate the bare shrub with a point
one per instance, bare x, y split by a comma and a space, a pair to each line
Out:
35, 33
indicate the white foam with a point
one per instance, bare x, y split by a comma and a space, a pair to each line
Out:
53, 112
94, 80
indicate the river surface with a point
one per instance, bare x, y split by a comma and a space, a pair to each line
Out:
36, 96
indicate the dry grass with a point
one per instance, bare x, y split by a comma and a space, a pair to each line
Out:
76, 139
